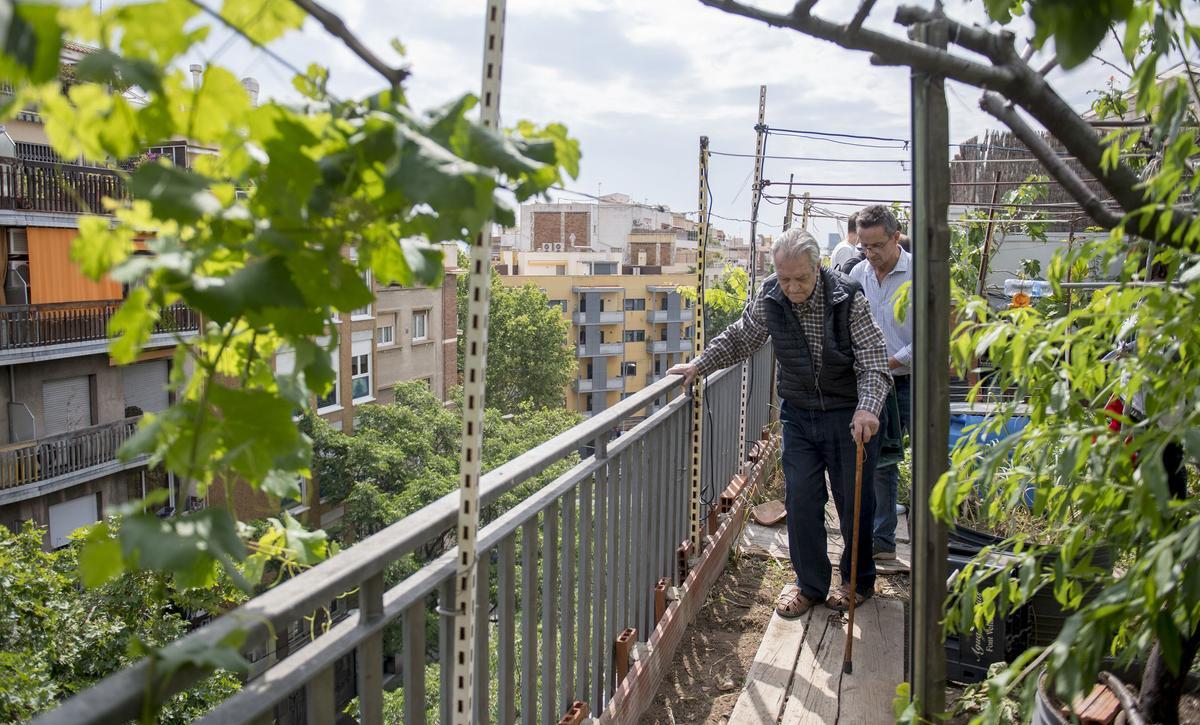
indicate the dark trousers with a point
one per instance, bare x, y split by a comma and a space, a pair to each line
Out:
887, 478
816, 442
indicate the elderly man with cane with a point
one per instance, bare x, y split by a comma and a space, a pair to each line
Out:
832, 375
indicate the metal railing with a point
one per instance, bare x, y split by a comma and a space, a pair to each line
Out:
51, 187
659, 346
588, 385
604, 348
572, 566
661, 316
25, 326
63, 453
598, 318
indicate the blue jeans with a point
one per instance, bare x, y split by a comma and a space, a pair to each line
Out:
814, 442
887, 478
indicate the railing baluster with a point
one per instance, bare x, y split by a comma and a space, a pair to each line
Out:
627, 533
529, 550
600, 540
566, 668
611, 567
414, 663
506, 601
637, 531
583, 589
370, 652
446, 648
549, 612
483, 663
319, 698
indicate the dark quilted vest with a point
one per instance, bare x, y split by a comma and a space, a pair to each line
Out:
838, 386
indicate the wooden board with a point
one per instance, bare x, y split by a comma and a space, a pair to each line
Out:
867, 693
771, 542
766, 542
807, 660
771, 672
813, 697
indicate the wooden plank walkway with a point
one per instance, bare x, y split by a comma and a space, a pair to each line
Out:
771, 542
796, 677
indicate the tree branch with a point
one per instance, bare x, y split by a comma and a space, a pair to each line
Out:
887, 50
1007, 74
336, 27
995, 104
860, 17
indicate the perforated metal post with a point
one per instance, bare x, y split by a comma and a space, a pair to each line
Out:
698, 388
755, 196
474, 365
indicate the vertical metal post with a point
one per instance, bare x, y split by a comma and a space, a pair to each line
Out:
787, 211
760, 144
931, 394
370, 652
698, 388
474, 364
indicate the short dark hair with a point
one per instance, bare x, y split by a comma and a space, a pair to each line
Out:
852, 223
878, 215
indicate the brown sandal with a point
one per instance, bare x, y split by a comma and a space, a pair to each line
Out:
839, 600
791, 603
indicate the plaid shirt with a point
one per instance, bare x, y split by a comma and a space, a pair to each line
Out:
739, 341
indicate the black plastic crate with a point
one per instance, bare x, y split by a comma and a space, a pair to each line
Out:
968, 655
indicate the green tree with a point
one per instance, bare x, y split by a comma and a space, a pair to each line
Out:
254, 237
530, 360
58, 637
724, 303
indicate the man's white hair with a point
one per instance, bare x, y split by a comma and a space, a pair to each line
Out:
796, 243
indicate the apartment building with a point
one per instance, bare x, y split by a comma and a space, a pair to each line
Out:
66, 407
627, 328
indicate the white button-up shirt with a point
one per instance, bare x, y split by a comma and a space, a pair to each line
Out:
882, 295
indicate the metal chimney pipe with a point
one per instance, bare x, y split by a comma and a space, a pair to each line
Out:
196, 70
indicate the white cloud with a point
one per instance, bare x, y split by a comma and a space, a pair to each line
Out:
677, 70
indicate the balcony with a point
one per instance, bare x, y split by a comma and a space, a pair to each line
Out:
598, 318
659, 316
65, 329
604, 348
587, 385
49, 187
660, 346
33, 468
590, 556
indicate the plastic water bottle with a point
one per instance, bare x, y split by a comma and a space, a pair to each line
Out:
1031, 287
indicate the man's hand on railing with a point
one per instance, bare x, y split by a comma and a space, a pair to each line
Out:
687, 370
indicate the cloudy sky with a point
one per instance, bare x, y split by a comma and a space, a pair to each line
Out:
639, 81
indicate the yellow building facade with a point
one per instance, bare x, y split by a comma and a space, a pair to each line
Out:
627, 329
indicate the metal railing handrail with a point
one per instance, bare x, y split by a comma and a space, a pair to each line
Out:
344, 638
119, 697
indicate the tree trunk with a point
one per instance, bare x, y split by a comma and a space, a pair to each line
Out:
1161, 688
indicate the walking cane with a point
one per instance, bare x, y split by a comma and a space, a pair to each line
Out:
848, 657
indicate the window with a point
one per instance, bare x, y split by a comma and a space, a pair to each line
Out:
385, 333
560, 304
635, 336
587, 401
604, 267
365, 311
420, 325
285, 363
687, 333
629, 369
360, 375
635, 303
